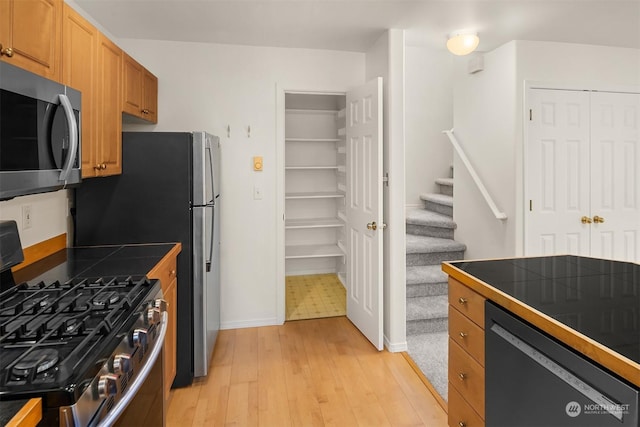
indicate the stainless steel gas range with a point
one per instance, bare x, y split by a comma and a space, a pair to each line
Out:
85, 346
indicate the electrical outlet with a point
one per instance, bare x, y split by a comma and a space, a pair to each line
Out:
27, 220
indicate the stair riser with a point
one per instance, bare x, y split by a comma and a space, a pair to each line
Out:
433, 258
427, 290
437, 207
425, 326
425, 230
446, 189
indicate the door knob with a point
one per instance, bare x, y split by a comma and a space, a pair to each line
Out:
7, 51
372, 226
585, 220
598, 219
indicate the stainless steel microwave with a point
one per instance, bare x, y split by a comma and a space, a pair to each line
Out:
39, 134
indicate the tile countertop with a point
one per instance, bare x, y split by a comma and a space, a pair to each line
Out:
95, 261
590, 304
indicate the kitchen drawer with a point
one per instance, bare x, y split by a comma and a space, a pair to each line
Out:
466, 333
166, 270
467, 376
466, 301
460, 412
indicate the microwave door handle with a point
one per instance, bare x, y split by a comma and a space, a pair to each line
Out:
73, 136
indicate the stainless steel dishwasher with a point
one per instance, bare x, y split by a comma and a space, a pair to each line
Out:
534, 380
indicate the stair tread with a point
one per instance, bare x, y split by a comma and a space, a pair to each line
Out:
420, 216
422, 308
424, 244
425, 274
442, 199
445, 181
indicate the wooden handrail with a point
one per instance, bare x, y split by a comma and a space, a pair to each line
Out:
483, 190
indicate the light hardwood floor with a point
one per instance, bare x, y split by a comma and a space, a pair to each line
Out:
319, 372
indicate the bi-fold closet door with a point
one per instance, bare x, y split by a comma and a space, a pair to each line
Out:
582, 174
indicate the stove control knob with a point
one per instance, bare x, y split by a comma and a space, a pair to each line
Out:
122, 364
140, 338
160, 304
153, 316
107, 386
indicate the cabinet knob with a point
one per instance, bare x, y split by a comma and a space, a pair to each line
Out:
462, 376
103, 166
172, 273
598, 219
145, 111
462, 424
97, 167
585, 220
462, 300
6, 51
463, 335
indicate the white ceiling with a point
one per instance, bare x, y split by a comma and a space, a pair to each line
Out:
353, 25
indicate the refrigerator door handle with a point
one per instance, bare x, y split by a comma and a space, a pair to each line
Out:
211, 179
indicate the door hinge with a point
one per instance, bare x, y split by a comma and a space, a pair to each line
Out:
530, 114
385, 179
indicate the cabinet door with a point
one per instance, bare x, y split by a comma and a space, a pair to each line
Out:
30, 34
171, 296
79, 57
132, 78
150, 97
109, 107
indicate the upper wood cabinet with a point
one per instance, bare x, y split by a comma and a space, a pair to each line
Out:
30, 35
109, 108
79, 70
139, 90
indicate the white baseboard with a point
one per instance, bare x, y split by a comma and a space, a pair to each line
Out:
253, 323
395, 347
309, 272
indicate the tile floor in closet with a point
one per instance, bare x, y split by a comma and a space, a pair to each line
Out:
314, 296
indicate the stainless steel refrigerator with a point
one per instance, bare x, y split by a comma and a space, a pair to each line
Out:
169, 191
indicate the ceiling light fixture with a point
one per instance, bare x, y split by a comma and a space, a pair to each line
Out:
462, 42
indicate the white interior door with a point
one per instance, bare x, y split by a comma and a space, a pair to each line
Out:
557, 173
364, 210
615, 176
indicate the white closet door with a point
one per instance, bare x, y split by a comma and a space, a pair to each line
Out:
615, 176
364, 208
557, 173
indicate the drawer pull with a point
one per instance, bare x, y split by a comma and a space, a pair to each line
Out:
462, 300
172, 273
463, 335
462, 424
462, 376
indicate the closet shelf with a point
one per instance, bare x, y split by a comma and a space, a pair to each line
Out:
315, 195
313, 223
312, 251
312, 167
312, 139
306, 111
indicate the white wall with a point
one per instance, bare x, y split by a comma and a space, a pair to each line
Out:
488, 120
429, 111
49, 216
212, 86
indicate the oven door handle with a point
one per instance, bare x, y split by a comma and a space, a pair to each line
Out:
118, 409
73, 136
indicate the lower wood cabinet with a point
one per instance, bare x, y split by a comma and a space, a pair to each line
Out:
166, 271
466, 403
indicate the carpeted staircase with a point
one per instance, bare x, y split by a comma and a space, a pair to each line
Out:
429, 242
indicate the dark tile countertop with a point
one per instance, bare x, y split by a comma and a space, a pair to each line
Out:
95, 261
9, 409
